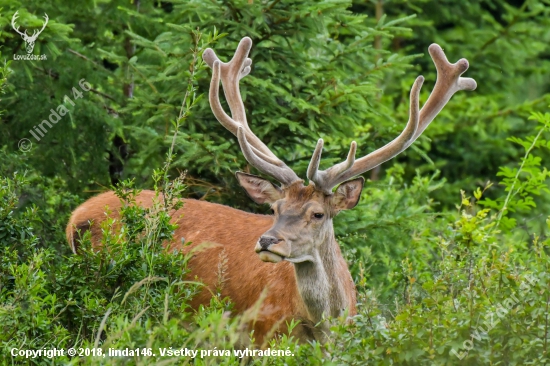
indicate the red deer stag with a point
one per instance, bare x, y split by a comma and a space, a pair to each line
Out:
311, 278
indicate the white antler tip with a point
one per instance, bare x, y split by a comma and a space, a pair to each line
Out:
245, 72
434, 47
462, 65
318, 149
209, 56
246, 42
352, 151
467, 84
438, 56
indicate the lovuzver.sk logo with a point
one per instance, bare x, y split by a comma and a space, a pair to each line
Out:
29, 40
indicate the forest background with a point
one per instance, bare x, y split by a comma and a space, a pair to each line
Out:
444, 235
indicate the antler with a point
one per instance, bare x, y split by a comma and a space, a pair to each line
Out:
448, 82
254, 150
13, 19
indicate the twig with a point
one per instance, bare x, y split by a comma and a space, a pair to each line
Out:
504, 208
101, 327
95, 91
83, 57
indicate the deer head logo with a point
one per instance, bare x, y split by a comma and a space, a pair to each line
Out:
29, 40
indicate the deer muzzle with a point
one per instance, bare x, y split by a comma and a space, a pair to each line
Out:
272, 249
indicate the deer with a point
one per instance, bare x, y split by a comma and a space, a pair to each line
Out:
292, 256
29, 40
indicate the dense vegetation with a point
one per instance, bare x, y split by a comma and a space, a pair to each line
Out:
448, 246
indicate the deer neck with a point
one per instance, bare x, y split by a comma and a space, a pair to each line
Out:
320, 287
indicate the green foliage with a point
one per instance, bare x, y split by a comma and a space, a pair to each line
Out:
480, 303
438, 283
392, 222
526, 181
466, 294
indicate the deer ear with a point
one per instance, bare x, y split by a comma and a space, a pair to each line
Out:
259, 189
347, 195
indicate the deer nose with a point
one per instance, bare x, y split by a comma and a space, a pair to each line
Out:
265, 241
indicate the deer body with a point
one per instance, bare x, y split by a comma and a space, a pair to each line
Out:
293, 291
310, 279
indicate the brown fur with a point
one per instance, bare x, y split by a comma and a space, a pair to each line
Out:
237, 231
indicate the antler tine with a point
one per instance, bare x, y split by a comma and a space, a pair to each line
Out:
230, 73
313, 167
318, 177
342, 172
338, 169
448, 82
283, 174
223, 118
256, 152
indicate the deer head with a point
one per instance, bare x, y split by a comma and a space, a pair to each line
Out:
302, 230
29, 40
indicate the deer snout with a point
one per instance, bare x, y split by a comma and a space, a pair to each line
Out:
266, 241
272, 249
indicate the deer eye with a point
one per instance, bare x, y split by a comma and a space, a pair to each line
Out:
318, 215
